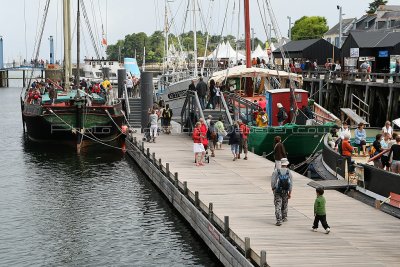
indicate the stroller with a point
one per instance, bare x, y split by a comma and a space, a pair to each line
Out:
146, 131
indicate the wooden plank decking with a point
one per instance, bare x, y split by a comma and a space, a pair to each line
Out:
360, 235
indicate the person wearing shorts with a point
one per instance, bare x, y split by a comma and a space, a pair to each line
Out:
395, 150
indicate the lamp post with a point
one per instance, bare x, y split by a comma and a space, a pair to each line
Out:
290, 27
340, 25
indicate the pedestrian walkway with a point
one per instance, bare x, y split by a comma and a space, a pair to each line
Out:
360, 235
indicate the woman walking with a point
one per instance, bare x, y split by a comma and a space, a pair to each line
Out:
198, 147
279, 152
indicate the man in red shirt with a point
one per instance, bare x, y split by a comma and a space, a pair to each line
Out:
244, 131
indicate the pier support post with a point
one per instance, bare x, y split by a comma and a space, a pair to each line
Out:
196, 199
160, 164
395, 105
390, 104
327, 95
135, 141
148, 153
346, 95
320, 98
366, 94
154, 158
263, 258
23, 79
247, 247
121, 82
226, 226
210, 212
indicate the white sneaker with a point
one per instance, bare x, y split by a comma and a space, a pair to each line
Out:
315, 229
327, 230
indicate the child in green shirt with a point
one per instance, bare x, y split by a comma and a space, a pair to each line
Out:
319, 211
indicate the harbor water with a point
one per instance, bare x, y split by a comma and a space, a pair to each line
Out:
95, 209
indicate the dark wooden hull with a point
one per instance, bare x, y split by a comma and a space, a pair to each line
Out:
64, 123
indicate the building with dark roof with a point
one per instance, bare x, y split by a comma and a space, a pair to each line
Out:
379, 48
332, 35
312, 49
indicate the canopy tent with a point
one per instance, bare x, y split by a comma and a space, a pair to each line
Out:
225, 50
260, 53
243, 71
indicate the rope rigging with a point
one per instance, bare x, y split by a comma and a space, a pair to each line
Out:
89, 28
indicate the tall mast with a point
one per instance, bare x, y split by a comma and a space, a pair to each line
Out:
78, 41
67, 45
165, 36
195, 38
247, 32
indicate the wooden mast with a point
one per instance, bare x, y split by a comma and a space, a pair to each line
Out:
67, 45
249, 81
78, 41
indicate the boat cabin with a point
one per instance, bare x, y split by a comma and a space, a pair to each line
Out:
273, 97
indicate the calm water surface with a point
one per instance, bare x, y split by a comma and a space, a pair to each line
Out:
96, 209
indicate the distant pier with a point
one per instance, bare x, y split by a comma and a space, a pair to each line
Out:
230, 206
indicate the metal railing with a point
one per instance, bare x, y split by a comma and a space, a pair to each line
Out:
191, 111
353, 76
361, 108
241, 108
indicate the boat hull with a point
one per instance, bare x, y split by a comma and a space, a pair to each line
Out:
63, 124
299, 141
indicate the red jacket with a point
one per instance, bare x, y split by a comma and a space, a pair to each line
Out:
347, 149
203, 130
244, 130
197, 135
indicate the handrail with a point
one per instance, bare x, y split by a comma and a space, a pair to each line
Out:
194, 107
128, 107
228, 115
362, 107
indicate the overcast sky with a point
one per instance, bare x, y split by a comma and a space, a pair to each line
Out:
122, 17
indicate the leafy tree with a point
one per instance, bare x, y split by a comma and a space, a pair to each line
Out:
373, 6
309, 28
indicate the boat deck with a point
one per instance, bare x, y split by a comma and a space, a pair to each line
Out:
360, 236
331, 184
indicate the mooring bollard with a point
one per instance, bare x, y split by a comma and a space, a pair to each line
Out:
252, 149
264, 154
135, 141
176, 180
196, 199
185, 189
247, 247
226, 226
309, 174
148, 153
210, 212
160, 164
154, 158
263, 258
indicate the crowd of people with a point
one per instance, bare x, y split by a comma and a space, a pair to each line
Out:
384, 152
209, 96
132, 86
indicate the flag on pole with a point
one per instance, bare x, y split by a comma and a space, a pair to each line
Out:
103, 39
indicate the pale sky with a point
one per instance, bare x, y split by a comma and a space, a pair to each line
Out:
122, 17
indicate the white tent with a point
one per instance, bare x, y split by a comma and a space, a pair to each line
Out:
225, 50
260, 53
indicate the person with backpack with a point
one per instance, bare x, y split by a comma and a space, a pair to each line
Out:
262, 119
234, 140
212, 137
219, 126
281, 185
244, 131
282, 114
167, 115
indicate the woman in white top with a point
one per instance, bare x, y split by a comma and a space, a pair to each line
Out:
217, 96
344, 130
387, 128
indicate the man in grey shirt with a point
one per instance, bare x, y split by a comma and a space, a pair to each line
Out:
282, 189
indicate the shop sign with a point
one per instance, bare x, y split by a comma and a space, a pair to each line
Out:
354, 52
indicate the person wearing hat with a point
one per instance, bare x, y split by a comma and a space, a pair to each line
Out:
208, 120
281, 185
282, 114
360, 136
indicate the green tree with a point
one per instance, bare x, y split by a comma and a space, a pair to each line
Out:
373, 6
309, 28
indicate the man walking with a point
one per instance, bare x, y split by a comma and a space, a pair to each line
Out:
201, 89
281, 184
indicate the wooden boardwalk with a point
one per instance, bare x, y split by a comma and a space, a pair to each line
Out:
360, 235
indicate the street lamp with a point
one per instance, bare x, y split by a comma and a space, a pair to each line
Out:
340, 25
290, 27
